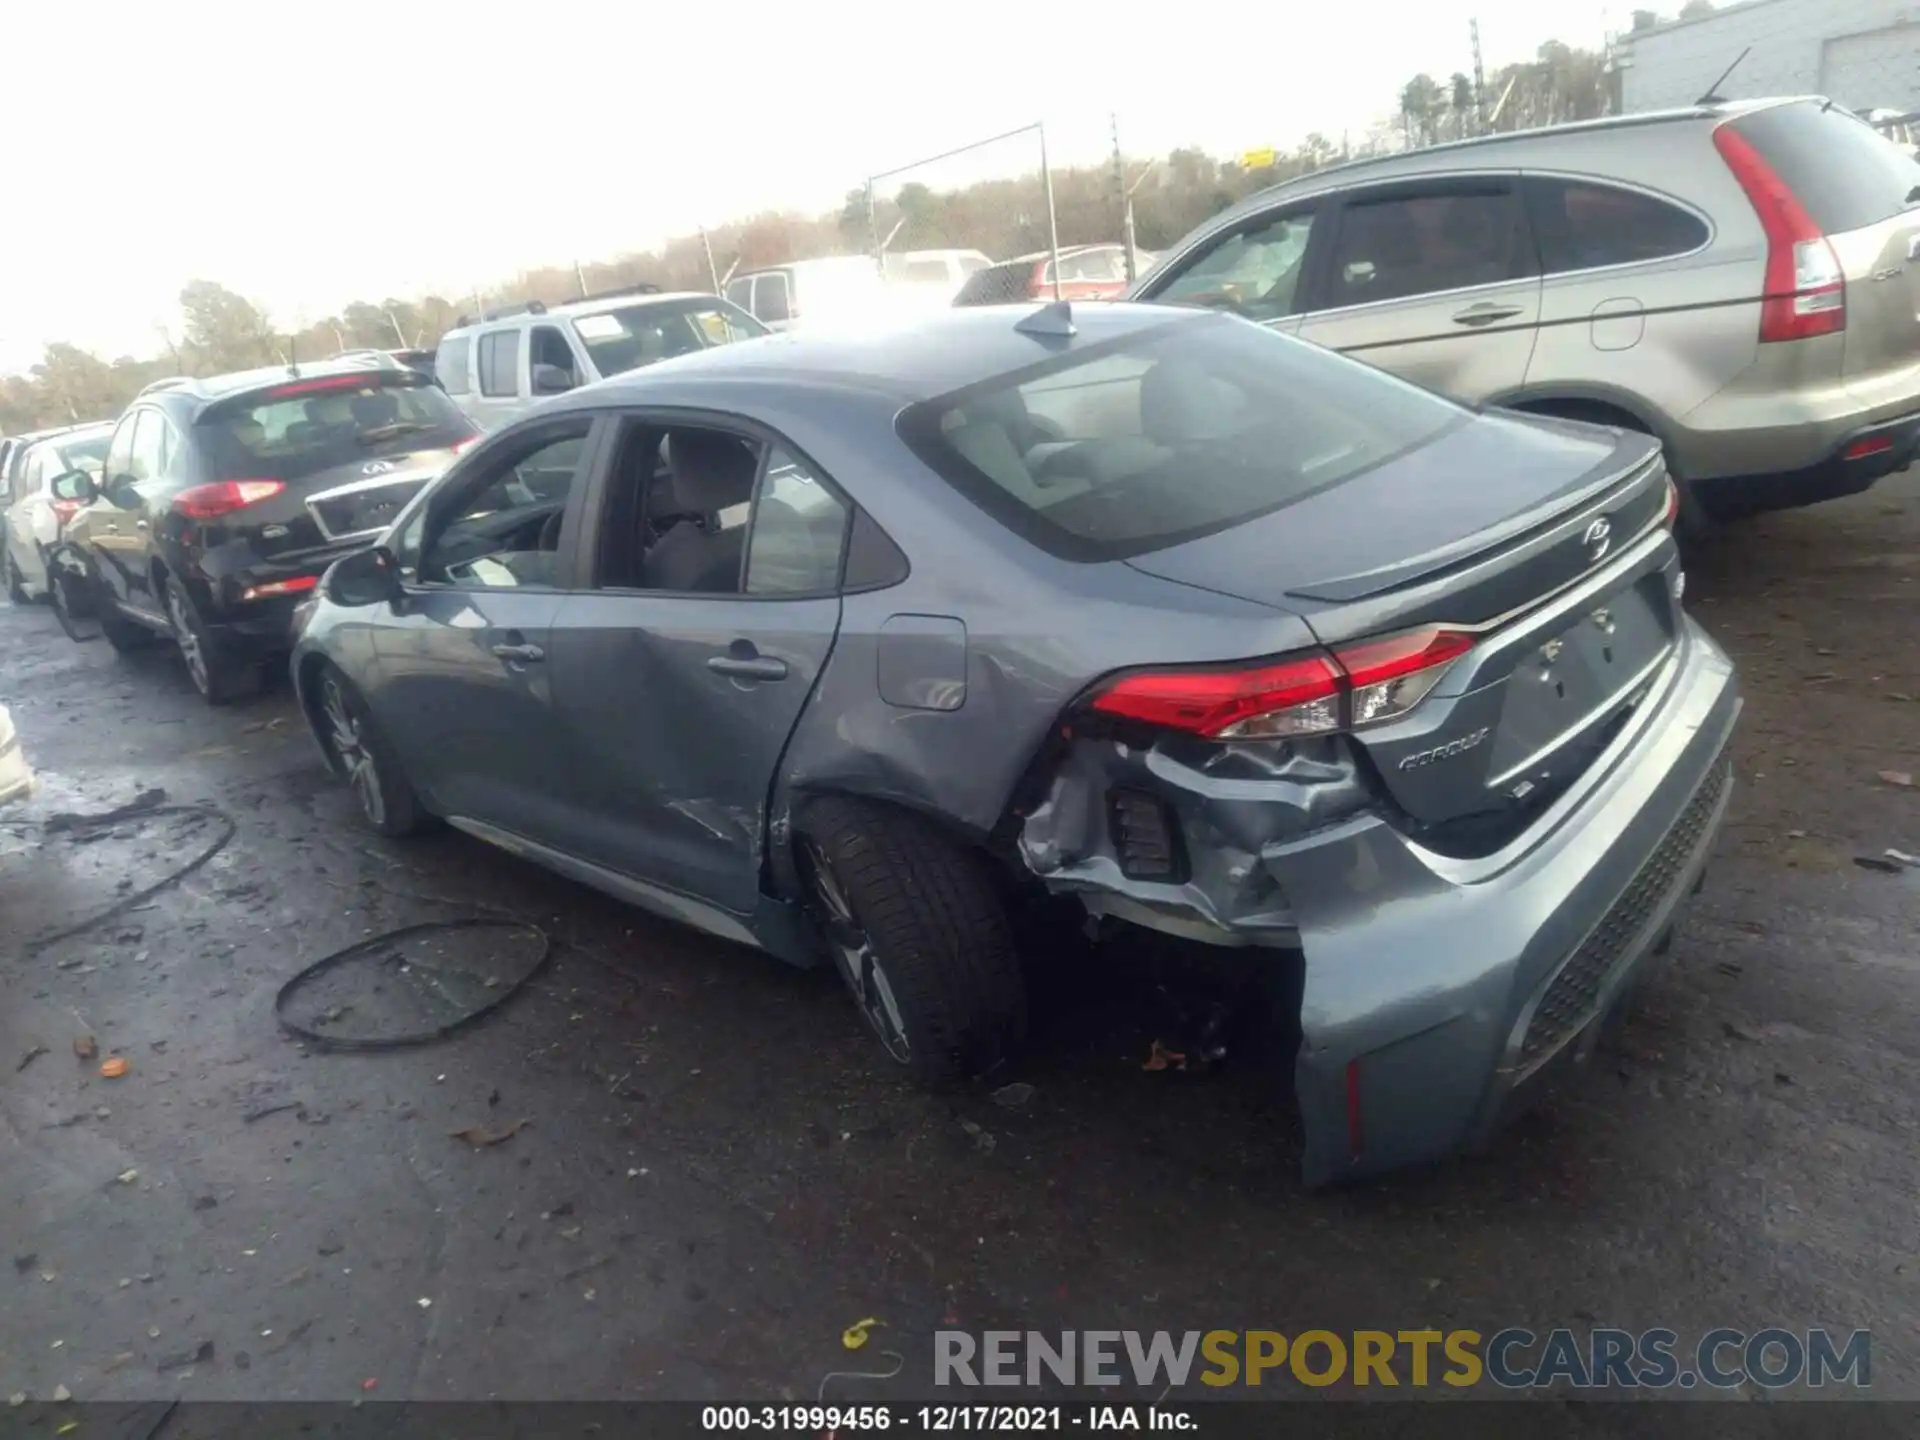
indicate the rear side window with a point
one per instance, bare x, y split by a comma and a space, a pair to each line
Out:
1172, 433
1583, 226
332, 422
1421, 244
998, 284
500, 363
450, 365
1845, 174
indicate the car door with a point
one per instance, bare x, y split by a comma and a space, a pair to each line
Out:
678, 704
1433, 280
461, 673
1254, 269
118, 524
16, 504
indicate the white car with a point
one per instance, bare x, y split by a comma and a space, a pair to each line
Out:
31, 519
16, 780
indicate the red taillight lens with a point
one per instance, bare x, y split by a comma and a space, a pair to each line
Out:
1872, 445
223, 497
296, 586
460, 447
1805, 288
64, 510
1673, 502
1359, 685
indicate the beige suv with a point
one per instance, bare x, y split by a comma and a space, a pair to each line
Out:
1741, 280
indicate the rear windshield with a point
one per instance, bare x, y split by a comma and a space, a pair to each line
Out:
626, 339
1010, 280
307, 426
1171, 434
1846, 174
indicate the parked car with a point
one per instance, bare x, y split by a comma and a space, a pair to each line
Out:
945, 270
31, 518
1213, 631
833, 290
499, 366
1738, 280
223, 499
1087, 272
421, 360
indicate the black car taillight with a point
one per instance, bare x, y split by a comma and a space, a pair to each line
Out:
1146, 840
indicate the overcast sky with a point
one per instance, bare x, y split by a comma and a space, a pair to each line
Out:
307, 156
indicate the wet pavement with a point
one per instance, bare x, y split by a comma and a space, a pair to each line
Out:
713, 1175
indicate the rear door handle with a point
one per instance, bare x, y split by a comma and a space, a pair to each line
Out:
1485, 313
748, 667
529, 654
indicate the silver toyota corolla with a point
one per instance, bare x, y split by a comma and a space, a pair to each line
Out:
801, 640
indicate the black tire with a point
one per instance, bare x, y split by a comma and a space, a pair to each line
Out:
924, 928
10, 573
359, 753
217, 675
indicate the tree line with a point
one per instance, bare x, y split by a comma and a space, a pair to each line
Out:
220, 331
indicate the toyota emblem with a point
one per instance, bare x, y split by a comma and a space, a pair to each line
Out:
1598, 538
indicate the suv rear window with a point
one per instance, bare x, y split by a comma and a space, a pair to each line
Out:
1169, 434
1846, 174
636, 335
998, 284
303, 427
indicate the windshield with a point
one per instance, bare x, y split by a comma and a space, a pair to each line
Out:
306, 426
88, 453
626, 339
1170, 434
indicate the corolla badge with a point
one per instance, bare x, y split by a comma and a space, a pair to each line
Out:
1598, 540
1444, 752
378, 467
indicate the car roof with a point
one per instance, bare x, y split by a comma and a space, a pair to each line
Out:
592, 305
70, 432
817, 262
205, 390
908, 359
1065, 252
34, 437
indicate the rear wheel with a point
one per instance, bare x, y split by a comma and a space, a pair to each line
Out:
362, 756
216, 675
918, 935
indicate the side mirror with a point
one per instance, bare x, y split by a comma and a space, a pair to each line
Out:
123, 491
367, 577
551, 380
75, 485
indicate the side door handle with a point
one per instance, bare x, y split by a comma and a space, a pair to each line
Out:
748, 666
1485, 313
527, 654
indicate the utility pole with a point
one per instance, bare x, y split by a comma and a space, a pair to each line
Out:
1479, 81
580, 278
1124, 194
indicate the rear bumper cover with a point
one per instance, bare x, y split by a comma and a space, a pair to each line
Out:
1853, 463
1440, 994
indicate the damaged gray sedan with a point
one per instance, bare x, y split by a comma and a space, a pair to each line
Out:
823, 643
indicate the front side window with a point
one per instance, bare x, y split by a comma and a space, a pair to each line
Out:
87, 454
1421, 244
770, 300
547, 346
740, 292
501, 530
120, 449
636, 335
1175, 432
1253, 272
149, 459
1583, 226
500, 364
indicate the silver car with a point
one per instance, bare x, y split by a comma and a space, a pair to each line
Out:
1739, 280
820, 644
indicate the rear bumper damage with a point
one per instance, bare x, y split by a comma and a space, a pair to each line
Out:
1441, 993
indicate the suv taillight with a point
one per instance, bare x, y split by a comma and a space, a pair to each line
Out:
223, 497
1317, 694
1805, 289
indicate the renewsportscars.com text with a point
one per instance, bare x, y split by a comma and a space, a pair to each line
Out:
1772, 1357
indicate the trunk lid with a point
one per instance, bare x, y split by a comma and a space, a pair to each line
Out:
1524, 533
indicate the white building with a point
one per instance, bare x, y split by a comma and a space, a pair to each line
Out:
1863, 53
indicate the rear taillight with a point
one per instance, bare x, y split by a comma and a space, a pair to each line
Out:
1358, 685
223, 497
1673, 503
1805, 289
460, 447
64, 510
299, 585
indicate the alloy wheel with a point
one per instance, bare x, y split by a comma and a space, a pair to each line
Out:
187, 638
853, 952
349, 741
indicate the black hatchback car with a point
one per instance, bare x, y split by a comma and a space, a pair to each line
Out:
222, 500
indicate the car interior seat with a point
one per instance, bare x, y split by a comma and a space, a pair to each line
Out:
708, 472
